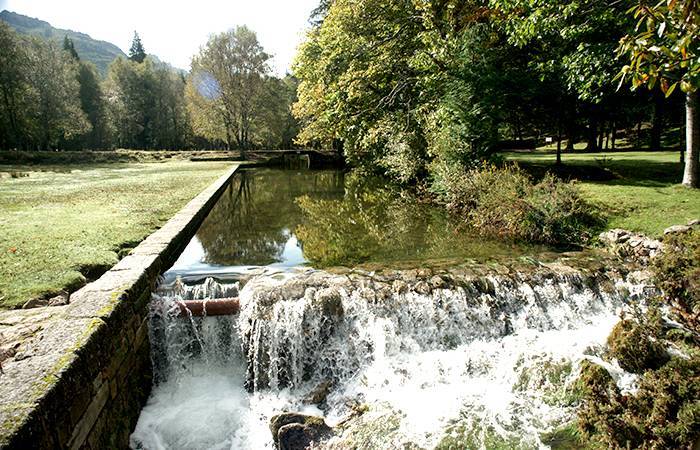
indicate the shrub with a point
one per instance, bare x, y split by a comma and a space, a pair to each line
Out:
505, 202
664, 412
635, 347
677, 274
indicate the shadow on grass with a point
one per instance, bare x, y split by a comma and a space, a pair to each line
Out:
637, 172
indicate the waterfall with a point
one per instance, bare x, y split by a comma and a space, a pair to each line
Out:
426, 356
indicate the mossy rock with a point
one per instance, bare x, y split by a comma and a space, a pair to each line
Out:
635, 348
292, 431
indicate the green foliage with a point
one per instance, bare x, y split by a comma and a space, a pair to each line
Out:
53, 109
95, 106
664, 412
70, 48
641, 196
136, 52
665, 47
677, 274
146, 100
505, 202
228, 89
636, 347
100, 53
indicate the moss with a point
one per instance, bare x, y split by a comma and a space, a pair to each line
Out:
18, 413
475, 435
635, 347
114, 300
568, 437
371, 429
677, 273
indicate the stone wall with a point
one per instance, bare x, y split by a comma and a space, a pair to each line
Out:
81, 381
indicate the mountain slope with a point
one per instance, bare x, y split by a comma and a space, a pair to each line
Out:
100, 53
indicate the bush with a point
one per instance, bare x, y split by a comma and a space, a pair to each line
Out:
677, 274
635, 347
505, 202
664, 412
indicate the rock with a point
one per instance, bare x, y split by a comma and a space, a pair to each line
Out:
676, 229
437, 282
614, 236
694, 223
59, 300
330, 301
422, 287
635, 242
35, 303
294, 431
319, 393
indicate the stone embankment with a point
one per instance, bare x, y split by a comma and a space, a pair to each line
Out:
639, 247
77, 375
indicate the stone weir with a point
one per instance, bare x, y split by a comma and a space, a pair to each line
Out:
81, 377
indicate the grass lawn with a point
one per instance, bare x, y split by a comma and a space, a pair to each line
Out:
56, 221
645, 194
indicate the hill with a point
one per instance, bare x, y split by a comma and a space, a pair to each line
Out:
101, 53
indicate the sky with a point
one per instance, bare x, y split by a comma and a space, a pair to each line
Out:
175, 30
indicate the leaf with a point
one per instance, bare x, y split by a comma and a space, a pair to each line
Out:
670, 90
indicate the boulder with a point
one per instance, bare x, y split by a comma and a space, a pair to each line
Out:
319, 393
294, 431
36, 303
676, 229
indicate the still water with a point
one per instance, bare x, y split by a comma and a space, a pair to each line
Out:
281, 219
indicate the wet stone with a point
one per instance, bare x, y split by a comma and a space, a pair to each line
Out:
294, 431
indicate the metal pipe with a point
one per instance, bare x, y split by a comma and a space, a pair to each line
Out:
215, 307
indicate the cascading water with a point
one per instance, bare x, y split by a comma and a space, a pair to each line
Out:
391, 360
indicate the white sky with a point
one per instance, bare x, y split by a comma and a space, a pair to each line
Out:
174, 30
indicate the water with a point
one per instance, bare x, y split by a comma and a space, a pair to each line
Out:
428, 358
409, 358
283, 219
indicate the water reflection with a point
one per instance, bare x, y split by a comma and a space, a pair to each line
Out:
284, 218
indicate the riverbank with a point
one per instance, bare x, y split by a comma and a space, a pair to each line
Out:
639, 191
63, 225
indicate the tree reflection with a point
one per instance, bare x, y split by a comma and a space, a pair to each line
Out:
338, 220
255, 217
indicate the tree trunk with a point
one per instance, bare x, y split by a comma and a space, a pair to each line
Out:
692, 140
559, 141
657, 122
613, 135
592, 136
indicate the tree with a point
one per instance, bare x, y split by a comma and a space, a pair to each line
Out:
278, 127
70, 48
664, 51
571, 45
226, 82
137, 52
94, 105
55, 113
147, 104
13, 88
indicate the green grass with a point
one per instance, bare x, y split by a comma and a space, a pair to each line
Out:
56, 221
645, 195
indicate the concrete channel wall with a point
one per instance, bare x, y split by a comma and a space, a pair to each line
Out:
86, 375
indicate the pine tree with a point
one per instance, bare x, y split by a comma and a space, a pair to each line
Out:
136, 52
70, 48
